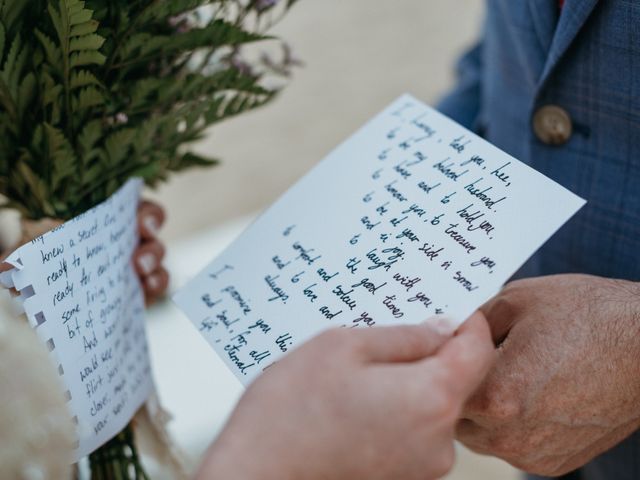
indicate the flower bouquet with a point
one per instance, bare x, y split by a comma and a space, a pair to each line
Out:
95, 92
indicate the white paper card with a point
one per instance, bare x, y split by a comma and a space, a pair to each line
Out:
412, 216
79, 291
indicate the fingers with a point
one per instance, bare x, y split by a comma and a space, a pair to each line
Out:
155, 285
148, 258
468, 356
399, 344
147, 261
151, 216
472, 435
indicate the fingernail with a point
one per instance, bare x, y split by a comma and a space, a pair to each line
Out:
147, 263
153, 282
151, 224
442, 324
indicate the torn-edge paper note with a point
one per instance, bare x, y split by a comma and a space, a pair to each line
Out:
78, 289
411, 217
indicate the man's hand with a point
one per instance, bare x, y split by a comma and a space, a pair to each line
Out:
566, 385
372, 404
147, 258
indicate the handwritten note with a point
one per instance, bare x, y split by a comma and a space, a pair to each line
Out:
80, 293
412, 216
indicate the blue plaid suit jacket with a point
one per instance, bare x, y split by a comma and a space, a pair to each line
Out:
587, 61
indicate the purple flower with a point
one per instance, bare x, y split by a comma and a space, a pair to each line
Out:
241, 65
181, 23
262, 5
122, 118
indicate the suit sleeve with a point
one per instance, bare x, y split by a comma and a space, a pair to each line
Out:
463, 102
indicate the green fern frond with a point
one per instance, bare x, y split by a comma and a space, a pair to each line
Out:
8, 74
62, 158
3, 37
95, 91
11, 11
85, 58
217, 34
161, 11
87, 98
26, 93
83, 78
52, 51
88, 140
117, 145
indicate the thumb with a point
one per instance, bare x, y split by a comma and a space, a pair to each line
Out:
407, 343
468, 356
499, 314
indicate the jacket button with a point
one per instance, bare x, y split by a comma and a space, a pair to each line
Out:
552, 125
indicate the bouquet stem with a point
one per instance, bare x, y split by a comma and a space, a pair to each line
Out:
118, 459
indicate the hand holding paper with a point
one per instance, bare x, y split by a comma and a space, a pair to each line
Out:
583, 329
358, 412
79, 291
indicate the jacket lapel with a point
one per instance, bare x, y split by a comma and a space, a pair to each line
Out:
575, 14
544, 18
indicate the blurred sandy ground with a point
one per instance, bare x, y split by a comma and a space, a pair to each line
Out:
359, 55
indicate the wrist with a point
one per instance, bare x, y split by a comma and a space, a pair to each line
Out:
230, 457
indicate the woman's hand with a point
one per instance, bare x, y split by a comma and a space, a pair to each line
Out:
147, 258
380, 403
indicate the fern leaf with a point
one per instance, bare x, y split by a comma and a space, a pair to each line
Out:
12, 54
145, 88
80, 16
35, 186
84, 28
87, 98
149, 171
216, 34
86, 57
14, 72
53, 53
11, 11
56, 19
61, 156
231, 105
160, 11
190, 159
3, 36
7, 74
77, 51
13, 60
83, 78
88, 138
117, 145
145, 136
51, 91
86, 42
134, 43
26, 93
